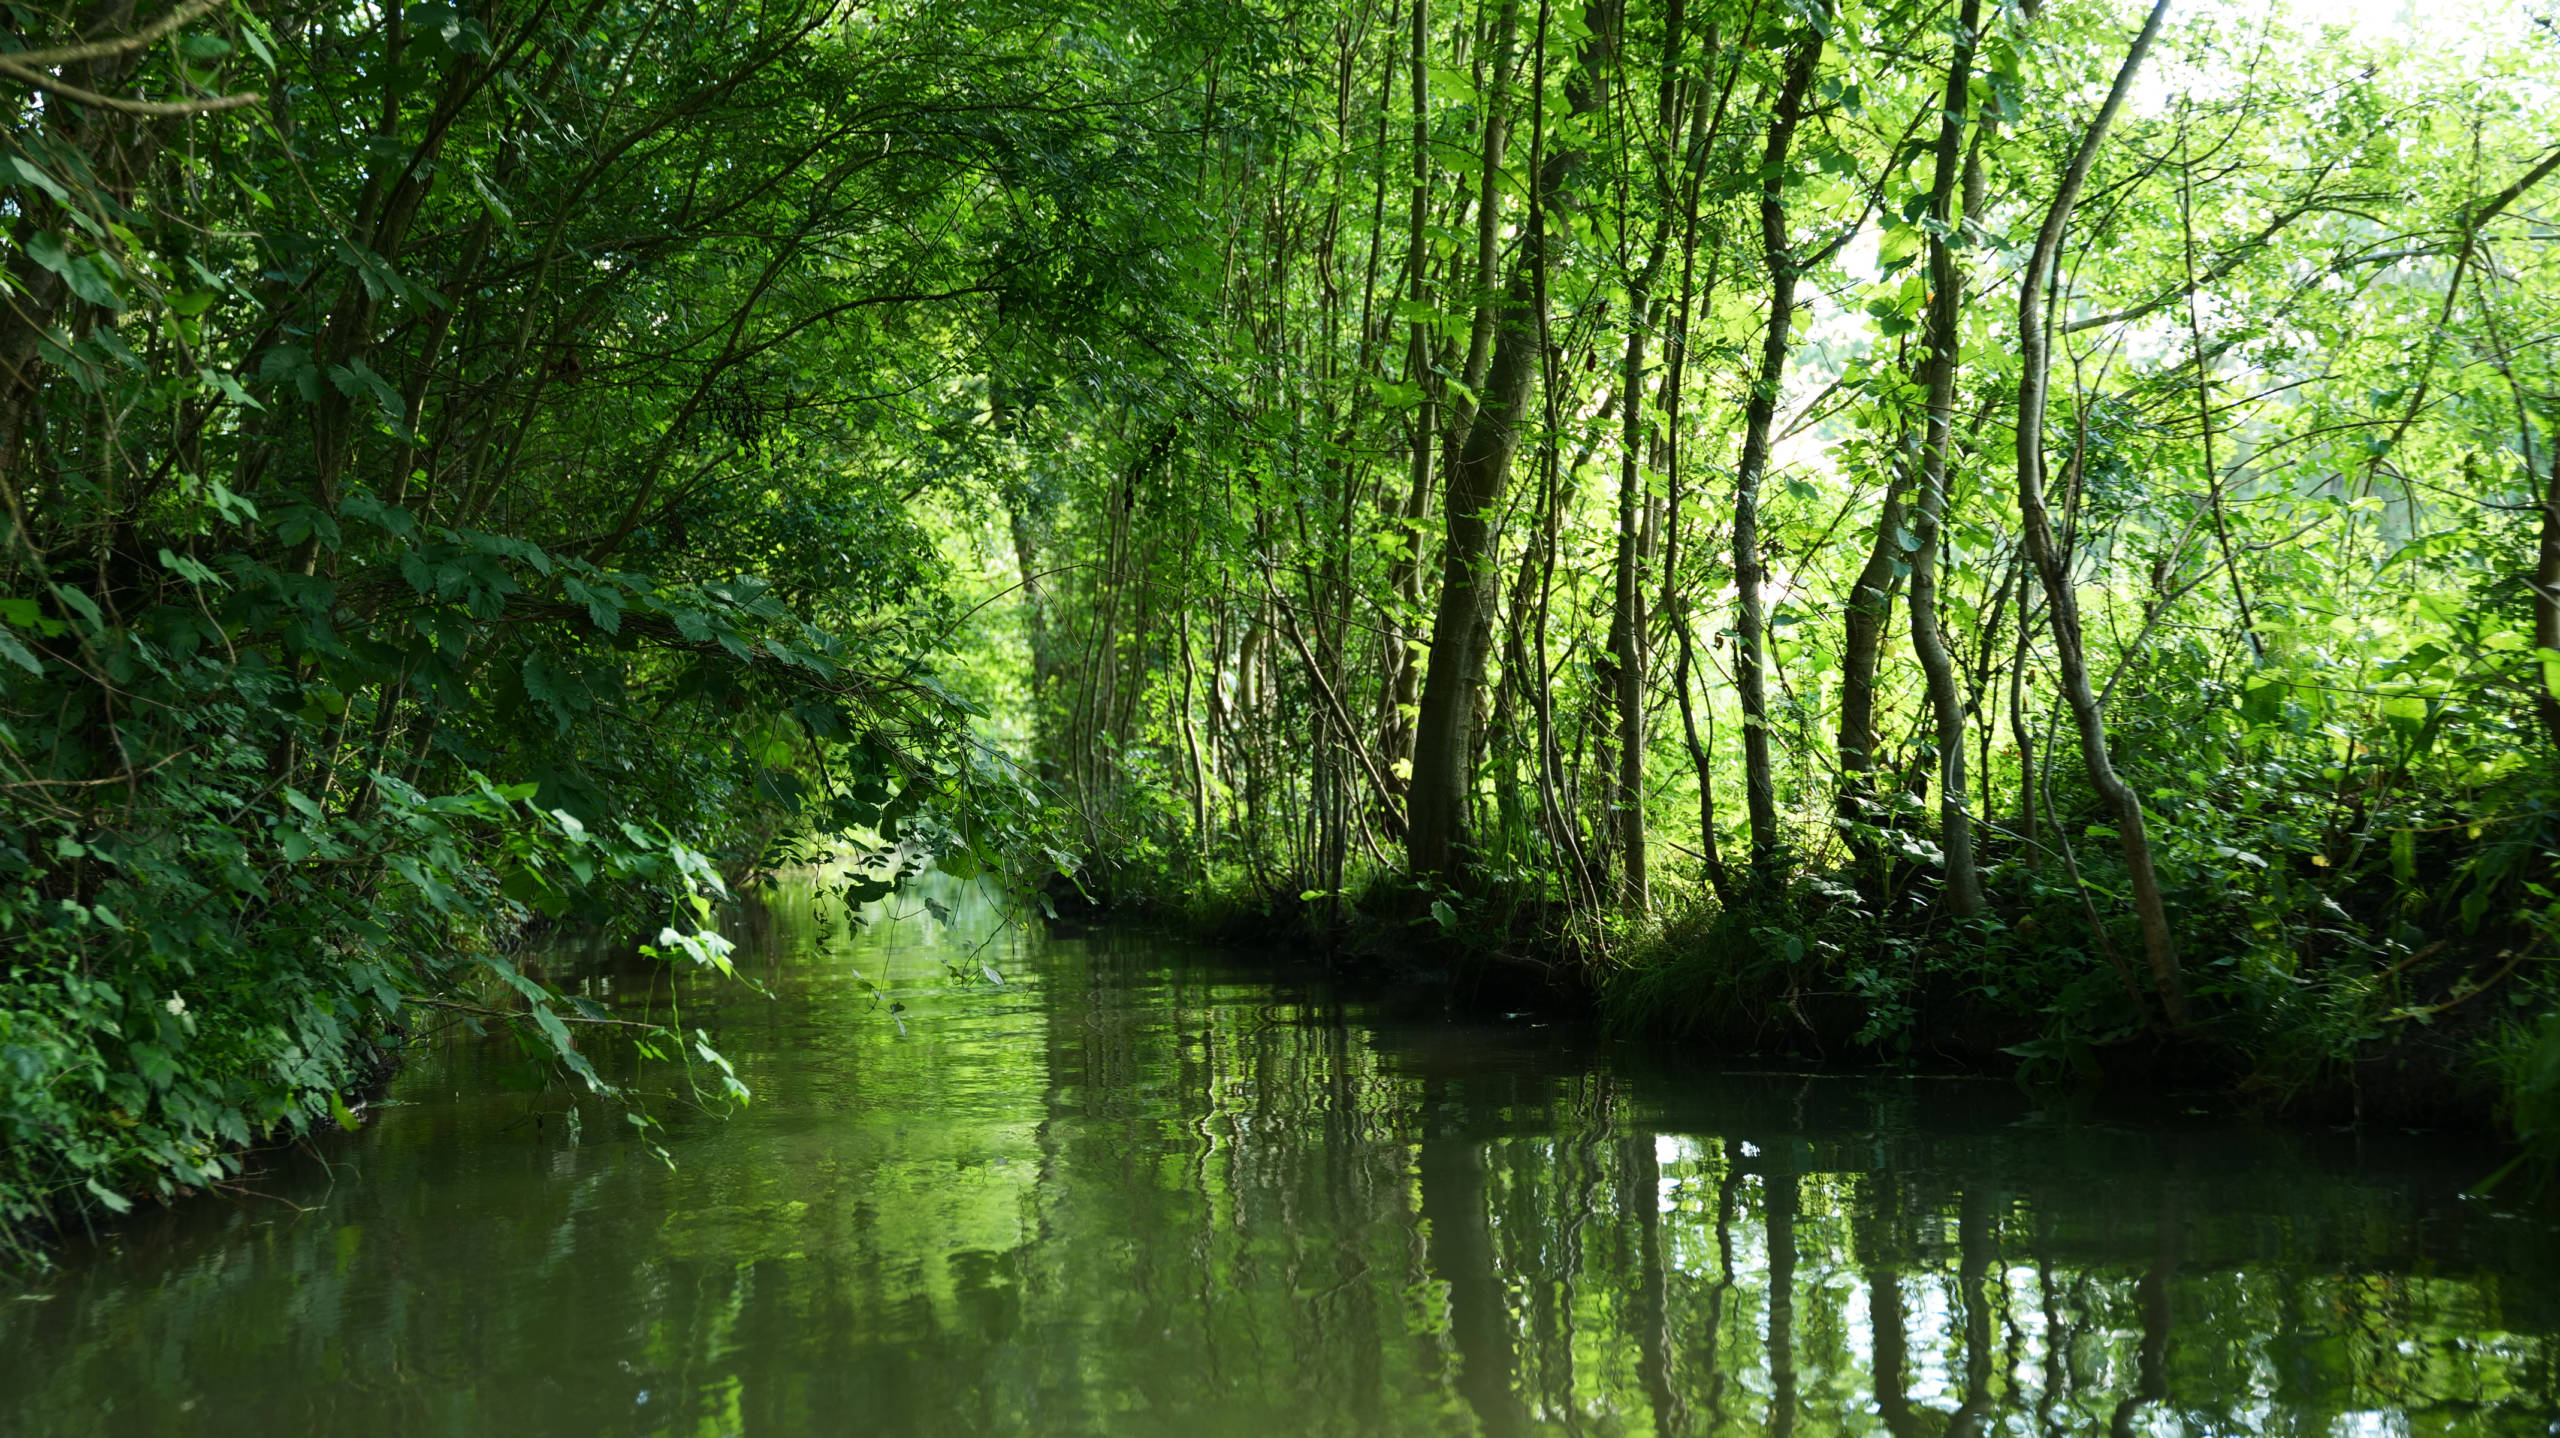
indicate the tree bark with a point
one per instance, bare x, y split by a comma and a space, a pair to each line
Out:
1749, 573
1445, 729
2546, 602
1861, 643
1406, 581
1962, 894
2062, 604
1627, 609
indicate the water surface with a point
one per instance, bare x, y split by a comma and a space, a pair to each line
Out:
1143, 1189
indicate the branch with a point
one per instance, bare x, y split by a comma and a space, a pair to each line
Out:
2212, 275
1350, 735
2498, 202
121, 45
14, 66
478, 1011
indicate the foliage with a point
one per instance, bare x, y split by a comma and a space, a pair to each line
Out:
2299, 453
463, 469
467, 463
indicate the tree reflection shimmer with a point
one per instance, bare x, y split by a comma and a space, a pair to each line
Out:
1138, 1190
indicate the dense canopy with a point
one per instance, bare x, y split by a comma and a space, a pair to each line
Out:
1946, 531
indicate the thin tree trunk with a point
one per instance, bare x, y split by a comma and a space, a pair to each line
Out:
1962, 895
1191, 742
2204, 398
1626, 635
2546, 602
1403, 659
2061, 602
1675, 595
1626, 612
1861, 642
1702, 759
2022, 733
1749, 573
1445, 732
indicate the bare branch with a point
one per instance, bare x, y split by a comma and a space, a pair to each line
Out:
192, 11
13, 66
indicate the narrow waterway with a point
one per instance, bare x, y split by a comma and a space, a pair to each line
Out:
1137, 1188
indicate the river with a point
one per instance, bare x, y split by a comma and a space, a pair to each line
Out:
1140, 1188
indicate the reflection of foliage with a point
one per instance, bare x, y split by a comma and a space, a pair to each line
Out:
1134, 1193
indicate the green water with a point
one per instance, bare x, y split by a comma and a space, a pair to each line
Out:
1141, 1189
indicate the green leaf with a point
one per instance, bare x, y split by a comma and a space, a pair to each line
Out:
192, 571
157, 1064
356, 377
604, 603
389, 518
27, 171
2262, 702
88, 276
78, 603
230, 388
255, 31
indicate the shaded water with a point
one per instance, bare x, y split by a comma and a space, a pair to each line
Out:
1139, 1189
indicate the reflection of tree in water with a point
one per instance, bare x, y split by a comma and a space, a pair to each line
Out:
1787, 1285
1132, 1193
1452, 1173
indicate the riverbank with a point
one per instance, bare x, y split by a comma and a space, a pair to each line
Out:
1795, 985
197, 1115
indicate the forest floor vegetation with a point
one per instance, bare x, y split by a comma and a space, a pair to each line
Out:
1814, 975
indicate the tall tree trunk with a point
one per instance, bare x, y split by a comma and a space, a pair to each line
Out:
1445, 727
1488, 248
1626, 630
1962, 895
1403, 661
2021, 733
1861, 642
1749, 574
1675, 594
1445, 731
2546, 601
2062, 604
1191, 743
1627, 609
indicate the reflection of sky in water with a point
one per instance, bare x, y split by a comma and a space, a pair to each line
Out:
1130, 1190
